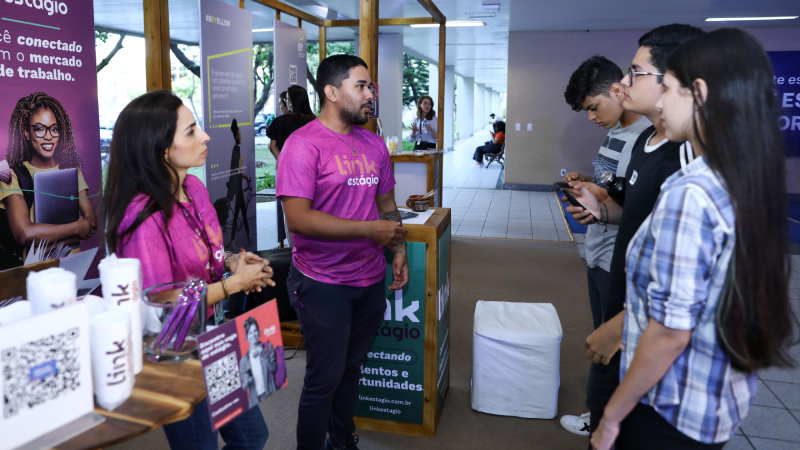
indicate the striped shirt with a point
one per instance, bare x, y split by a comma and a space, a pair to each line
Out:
676, 267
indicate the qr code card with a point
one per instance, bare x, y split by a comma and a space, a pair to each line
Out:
222, 377
47, 374
292, 74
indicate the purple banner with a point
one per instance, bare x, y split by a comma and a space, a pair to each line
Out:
290, 58
226, 53
48, 74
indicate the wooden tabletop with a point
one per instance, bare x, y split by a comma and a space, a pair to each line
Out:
162, 394
415, 158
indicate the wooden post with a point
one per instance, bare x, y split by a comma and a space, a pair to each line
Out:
368, 43
241, 4
323, 43
277, 14
299, 23
156, 44
440, 109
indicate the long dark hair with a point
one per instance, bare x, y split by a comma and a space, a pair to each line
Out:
422, 115
137, 164
742, 143
298, 95
499, 126
19, 149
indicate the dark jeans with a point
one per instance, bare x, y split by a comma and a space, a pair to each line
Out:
644, 428
488, 147
338, 325
246, 432
598, 293
600, 385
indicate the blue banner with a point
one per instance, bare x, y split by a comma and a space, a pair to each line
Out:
786, 67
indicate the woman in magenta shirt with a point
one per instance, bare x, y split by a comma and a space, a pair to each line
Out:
161, 215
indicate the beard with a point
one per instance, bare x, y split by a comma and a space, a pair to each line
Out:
354, 116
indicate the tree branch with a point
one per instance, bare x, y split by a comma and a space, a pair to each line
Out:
188, 63
114, 51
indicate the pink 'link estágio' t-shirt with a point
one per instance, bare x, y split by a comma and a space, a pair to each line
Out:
316, 165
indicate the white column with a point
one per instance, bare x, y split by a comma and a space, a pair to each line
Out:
466, 110
479, 115
496, 105
487, 105
390, 82
433, 84
449, 105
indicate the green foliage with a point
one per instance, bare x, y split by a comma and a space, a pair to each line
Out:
185, 84
265, 182
415, 79
331, 48
407, 146
100, 37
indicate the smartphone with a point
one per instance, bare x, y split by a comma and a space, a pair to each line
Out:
407, 214
562, 186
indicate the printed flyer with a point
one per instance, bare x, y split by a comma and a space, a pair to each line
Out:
49, 124
391, 383
242, 363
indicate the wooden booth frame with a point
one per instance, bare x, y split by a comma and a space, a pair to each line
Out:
158, 71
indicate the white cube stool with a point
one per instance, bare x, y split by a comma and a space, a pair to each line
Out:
515, 359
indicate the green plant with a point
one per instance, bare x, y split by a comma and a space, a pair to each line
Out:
407, 146
265, 182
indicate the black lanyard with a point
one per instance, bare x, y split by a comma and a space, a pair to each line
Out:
198, 226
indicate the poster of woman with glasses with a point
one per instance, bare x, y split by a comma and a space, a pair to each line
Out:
40, 139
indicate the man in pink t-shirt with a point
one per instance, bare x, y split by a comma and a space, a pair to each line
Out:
337, 187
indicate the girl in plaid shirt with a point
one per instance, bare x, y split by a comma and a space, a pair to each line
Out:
707, 273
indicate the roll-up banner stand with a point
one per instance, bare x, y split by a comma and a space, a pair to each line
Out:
226, 53
49, 124
290, 46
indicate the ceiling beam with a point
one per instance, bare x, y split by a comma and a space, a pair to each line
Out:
433, 11
383, 22
292, 11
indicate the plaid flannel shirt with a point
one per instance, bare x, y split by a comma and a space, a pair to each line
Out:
676, 268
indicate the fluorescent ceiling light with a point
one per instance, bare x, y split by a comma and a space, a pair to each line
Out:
452, 23
491, 7
259, 30
734, 19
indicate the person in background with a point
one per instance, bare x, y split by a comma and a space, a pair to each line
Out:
594, 87
40, 139
653, 159
162, 216
282, 107
424, 127
708, 272
492, 120
341, 226
493, 146
299, 115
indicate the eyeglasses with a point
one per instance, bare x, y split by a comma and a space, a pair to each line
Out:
631, 73
41, 131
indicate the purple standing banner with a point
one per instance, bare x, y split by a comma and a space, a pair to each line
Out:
48, 74
226, 53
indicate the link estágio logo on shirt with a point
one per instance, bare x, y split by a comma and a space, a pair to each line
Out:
362, 167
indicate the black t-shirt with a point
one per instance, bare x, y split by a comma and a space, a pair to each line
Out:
283, 126
645, 174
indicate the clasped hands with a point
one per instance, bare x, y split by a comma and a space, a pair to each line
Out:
251, 271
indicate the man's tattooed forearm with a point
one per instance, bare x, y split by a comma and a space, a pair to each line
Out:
394, 216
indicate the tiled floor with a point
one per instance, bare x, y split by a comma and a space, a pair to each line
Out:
480, 209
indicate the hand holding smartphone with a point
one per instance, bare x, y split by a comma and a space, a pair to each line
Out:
562, 186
